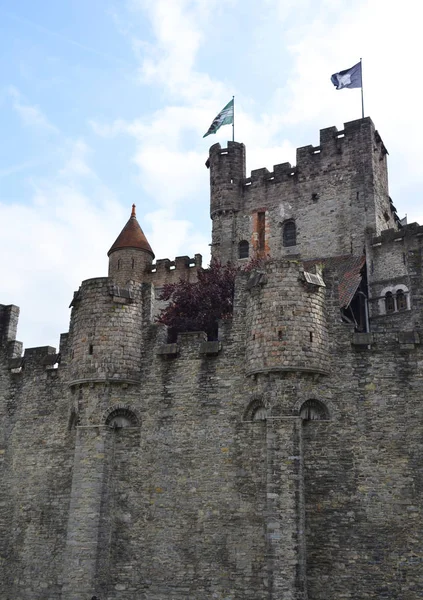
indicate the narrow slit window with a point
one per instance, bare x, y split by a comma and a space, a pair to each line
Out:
389, 303
401, 300
261, 229
289, 236
243, 249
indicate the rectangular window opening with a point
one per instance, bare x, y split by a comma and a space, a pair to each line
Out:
261, 229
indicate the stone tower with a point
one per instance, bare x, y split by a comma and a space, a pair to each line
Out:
321, 207
105, 346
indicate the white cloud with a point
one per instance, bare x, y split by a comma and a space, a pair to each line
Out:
12, 169
333, 37
76, 165
59, 237
31, 115
180, 29
175, 237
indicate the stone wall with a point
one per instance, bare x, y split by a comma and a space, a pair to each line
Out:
269, 464
37, 459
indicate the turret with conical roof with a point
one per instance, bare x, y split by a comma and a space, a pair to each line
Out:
131, 255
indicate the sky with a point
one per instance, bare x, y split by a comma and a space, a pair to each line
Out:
103, 103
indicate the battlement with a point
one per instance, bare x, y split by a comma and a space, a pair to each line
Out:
181, 263
337, 149
40, 356
9, 317
165, 270
396, 235
333, 144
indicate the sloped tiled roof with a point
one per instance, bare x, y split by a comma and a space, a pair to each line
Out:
348, 268
131, 236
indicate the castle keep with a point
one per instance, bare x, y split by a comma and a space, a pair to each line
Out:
282, 461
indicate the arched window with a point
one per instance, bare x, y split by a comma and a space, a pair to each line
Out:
256, 411
133, 263
243, 249
289, 234
260, 414
120, 418
401, 300
389, 303
314, 410
119, 264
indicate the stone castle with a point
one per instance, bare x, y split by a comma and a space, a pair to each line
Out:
282, 461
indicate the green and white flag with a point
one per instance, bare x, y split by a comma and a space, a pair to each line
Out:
225, 117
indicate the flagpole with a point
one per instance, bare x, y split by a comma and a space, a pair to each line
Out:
233, 119
362, 96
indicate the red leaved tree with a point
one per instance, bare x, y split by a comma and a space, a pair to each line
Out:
198, 306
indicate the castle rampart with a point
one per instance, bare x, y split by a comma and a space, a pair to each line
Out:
282, 460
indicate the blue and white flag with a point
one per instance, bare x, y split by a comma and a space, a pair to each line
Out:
350, 78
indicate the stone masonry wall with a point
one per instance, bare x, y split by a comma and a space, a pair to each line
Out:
286, 321
200, 500
267, 465
105, 336
36, 459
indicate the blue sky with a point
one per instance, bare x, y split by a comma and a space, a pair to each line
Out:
104, 103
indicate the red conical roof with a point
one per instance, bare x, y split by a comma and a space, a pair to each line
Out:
131, 236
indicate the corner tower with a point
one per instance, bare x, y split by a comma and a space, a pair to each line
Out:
131, 254
227, 176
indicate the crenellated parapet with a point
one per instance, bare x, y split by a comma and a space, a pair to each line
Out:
165, 270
